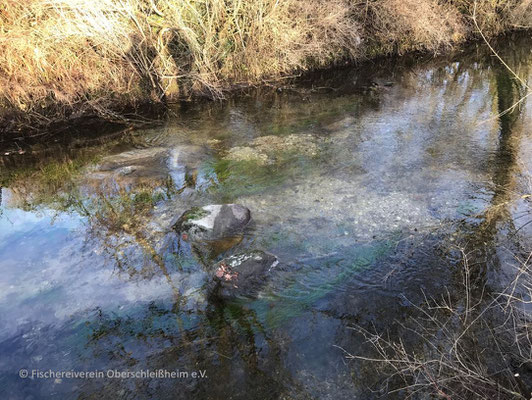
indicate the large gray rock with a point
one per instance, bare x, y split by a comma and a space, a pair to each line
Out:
242, 275
213, 222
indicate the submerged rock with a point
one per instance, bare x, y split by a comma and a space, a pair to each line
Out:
266, 149
213, 222
137, 163
242, 275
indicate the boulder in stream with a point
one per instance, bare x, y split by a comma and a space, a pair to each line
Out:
242, 275
213, 222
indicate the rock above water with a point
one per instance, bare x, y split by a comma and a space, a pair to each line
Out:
242, 275
213, 222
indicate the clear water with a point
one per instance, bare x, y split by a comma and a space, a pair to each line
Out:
362, 190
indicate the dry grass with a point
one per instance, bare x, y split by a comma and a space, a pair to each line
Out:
216, 43
71, 51
88, 56
406, 25
498, 16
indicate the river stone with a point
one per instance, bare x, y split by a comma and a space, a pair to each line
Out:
242, 275
213, 222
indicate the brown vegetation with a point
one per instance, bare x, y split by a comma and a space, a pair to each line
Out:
59, 57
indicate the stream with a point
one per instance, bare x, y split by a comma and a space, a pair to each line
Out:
365, 182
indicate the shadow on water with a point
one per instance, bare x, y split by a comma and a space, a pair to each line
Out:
363, 186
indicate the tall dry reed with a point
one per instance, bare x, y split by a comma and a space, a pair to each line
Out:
59, 57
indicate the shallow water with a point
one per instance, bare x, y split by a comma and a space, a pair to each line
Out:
363, 182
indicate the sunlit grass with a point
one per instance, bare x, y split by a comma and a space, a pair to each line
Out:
63, 56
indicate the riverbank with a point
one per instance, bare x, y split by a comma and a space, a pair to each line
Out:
66, 60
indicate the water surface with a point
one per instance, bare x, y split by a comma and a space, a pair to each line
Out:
363, 182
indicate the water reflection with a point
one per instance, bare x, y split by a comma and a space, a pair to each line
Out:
362, 191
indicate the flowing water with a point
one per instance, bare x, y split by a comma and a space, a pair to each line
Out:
364, 183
